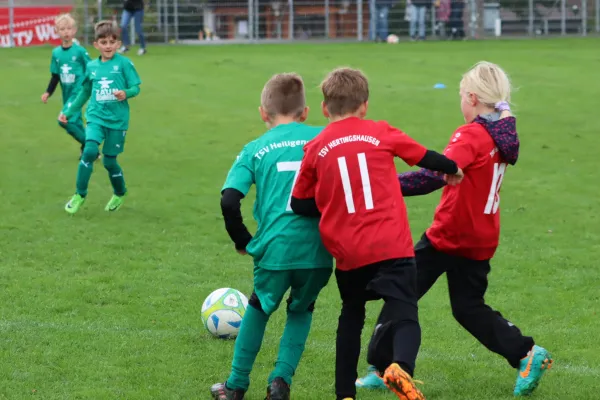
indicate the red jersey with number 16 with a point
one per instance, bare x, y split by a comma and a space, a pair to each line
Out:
467, 220
349, 170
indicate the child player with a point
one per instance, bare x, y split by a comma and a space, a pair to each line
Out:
466, 226
68, 66
287, 249
349, 177
110, 80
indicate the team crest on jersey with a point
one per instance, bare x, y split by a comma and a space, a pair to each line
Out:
65, 74
115, 70
105, 93
73, 58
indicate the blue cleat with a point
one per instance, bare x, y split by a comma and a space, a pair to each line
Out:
532, 369
371, 381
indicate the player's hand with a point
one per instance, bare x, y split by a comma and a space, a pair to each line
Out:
454, 179
62, 118
45, 97
242, 252
120, 95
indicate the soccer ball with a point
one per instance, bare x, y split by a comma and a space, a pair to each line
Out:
393, 39
222, 312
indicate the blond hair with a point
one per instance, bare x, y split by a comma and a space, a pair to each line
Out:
65, 18
344, 91
106, 29
283, 94
488, 82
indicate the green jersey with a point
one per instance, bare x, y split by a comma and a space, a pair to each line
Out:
283, 240
101, 81
70, 65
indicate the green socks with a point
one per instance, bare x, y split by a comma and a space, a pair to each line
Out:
77, 131
291, 346
247, 346
86, 167
115, 174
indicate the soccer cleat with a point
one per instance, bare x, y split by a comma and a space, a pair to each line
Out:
220, 391
141, 52
401, 383
123, 50
532, 369
278, 390
371, 381
114, 203
74, 204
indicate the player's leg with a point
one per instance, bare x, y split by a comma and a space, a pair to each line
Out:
269, 289
113, 146
74, 125
94, 136
397, 337
306, 286
431, 264
352, 287
467, 285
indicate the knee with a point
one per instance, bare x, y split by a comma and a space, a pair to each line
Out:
90, 151
292, 307
110, 163
354, 310
461, 311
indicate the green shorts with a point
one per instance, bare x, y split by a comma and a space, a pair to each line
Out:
76, 118
114, 140
270, 286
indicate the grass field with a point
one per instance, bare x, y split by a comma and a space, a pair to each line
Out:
100, 306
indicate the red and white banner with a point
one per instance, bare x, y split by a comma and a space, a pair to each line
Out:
32, 26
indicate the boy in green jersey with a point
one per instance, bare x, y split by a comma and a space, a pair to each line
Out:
286, 248
68, 66
110, 80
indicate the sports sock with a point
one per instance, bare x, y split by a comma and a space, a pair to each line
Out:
291, 346
247, 346
115, 174
86, 167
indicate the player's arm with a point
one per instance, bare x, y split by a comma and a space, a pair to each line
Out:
303, 196
84, 94
413, 153
54, 80
133, 81
421, 182
239, 180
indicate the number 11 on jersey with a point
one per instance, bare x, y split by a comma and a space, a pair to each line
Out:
366, 182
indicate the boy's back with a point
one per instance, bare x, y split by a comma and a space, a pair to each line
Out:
283, 240
364, 217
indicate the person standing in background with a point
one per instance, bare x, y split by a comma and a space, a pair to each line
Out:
379, 30
457, 24
418, 10
133, 9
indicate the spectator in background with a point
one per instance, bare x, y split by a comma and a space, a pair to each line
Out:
418, 10
457, 23
442, 16
379, 20
133, 9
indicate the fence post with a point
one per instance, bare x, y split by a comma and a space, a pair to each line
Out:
584, 17
327, 19
166, 21
563, 17
86, 39
433, 22
256, 20
359, 20
372, 20
131, 32
11, 22
250, 19
291, 22
159, 14
99, 10
176, 19
531, 18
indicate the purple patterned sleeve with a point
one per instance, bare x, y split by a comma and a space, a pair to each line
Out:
423, 181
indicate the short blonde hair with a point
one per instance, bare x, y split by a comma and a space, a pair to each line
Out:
283, 94
488, 82
65, 18
344, 91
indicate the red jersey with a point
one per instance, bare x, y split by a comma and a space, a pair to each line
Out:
349, 170
467, 220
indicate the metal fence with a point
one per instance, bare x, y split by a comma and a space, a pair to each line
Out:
230, 21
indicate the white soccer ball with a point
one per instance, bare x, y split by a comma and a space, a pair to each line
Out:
222, 312
393, 39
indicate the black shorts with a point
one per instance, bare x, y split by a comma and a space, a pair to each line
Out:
394, 279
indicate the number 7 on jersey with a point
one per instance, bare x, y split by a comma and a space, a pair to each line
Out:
290, 166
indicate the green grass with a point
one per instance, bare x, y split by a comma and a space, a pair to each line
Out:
100, 306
